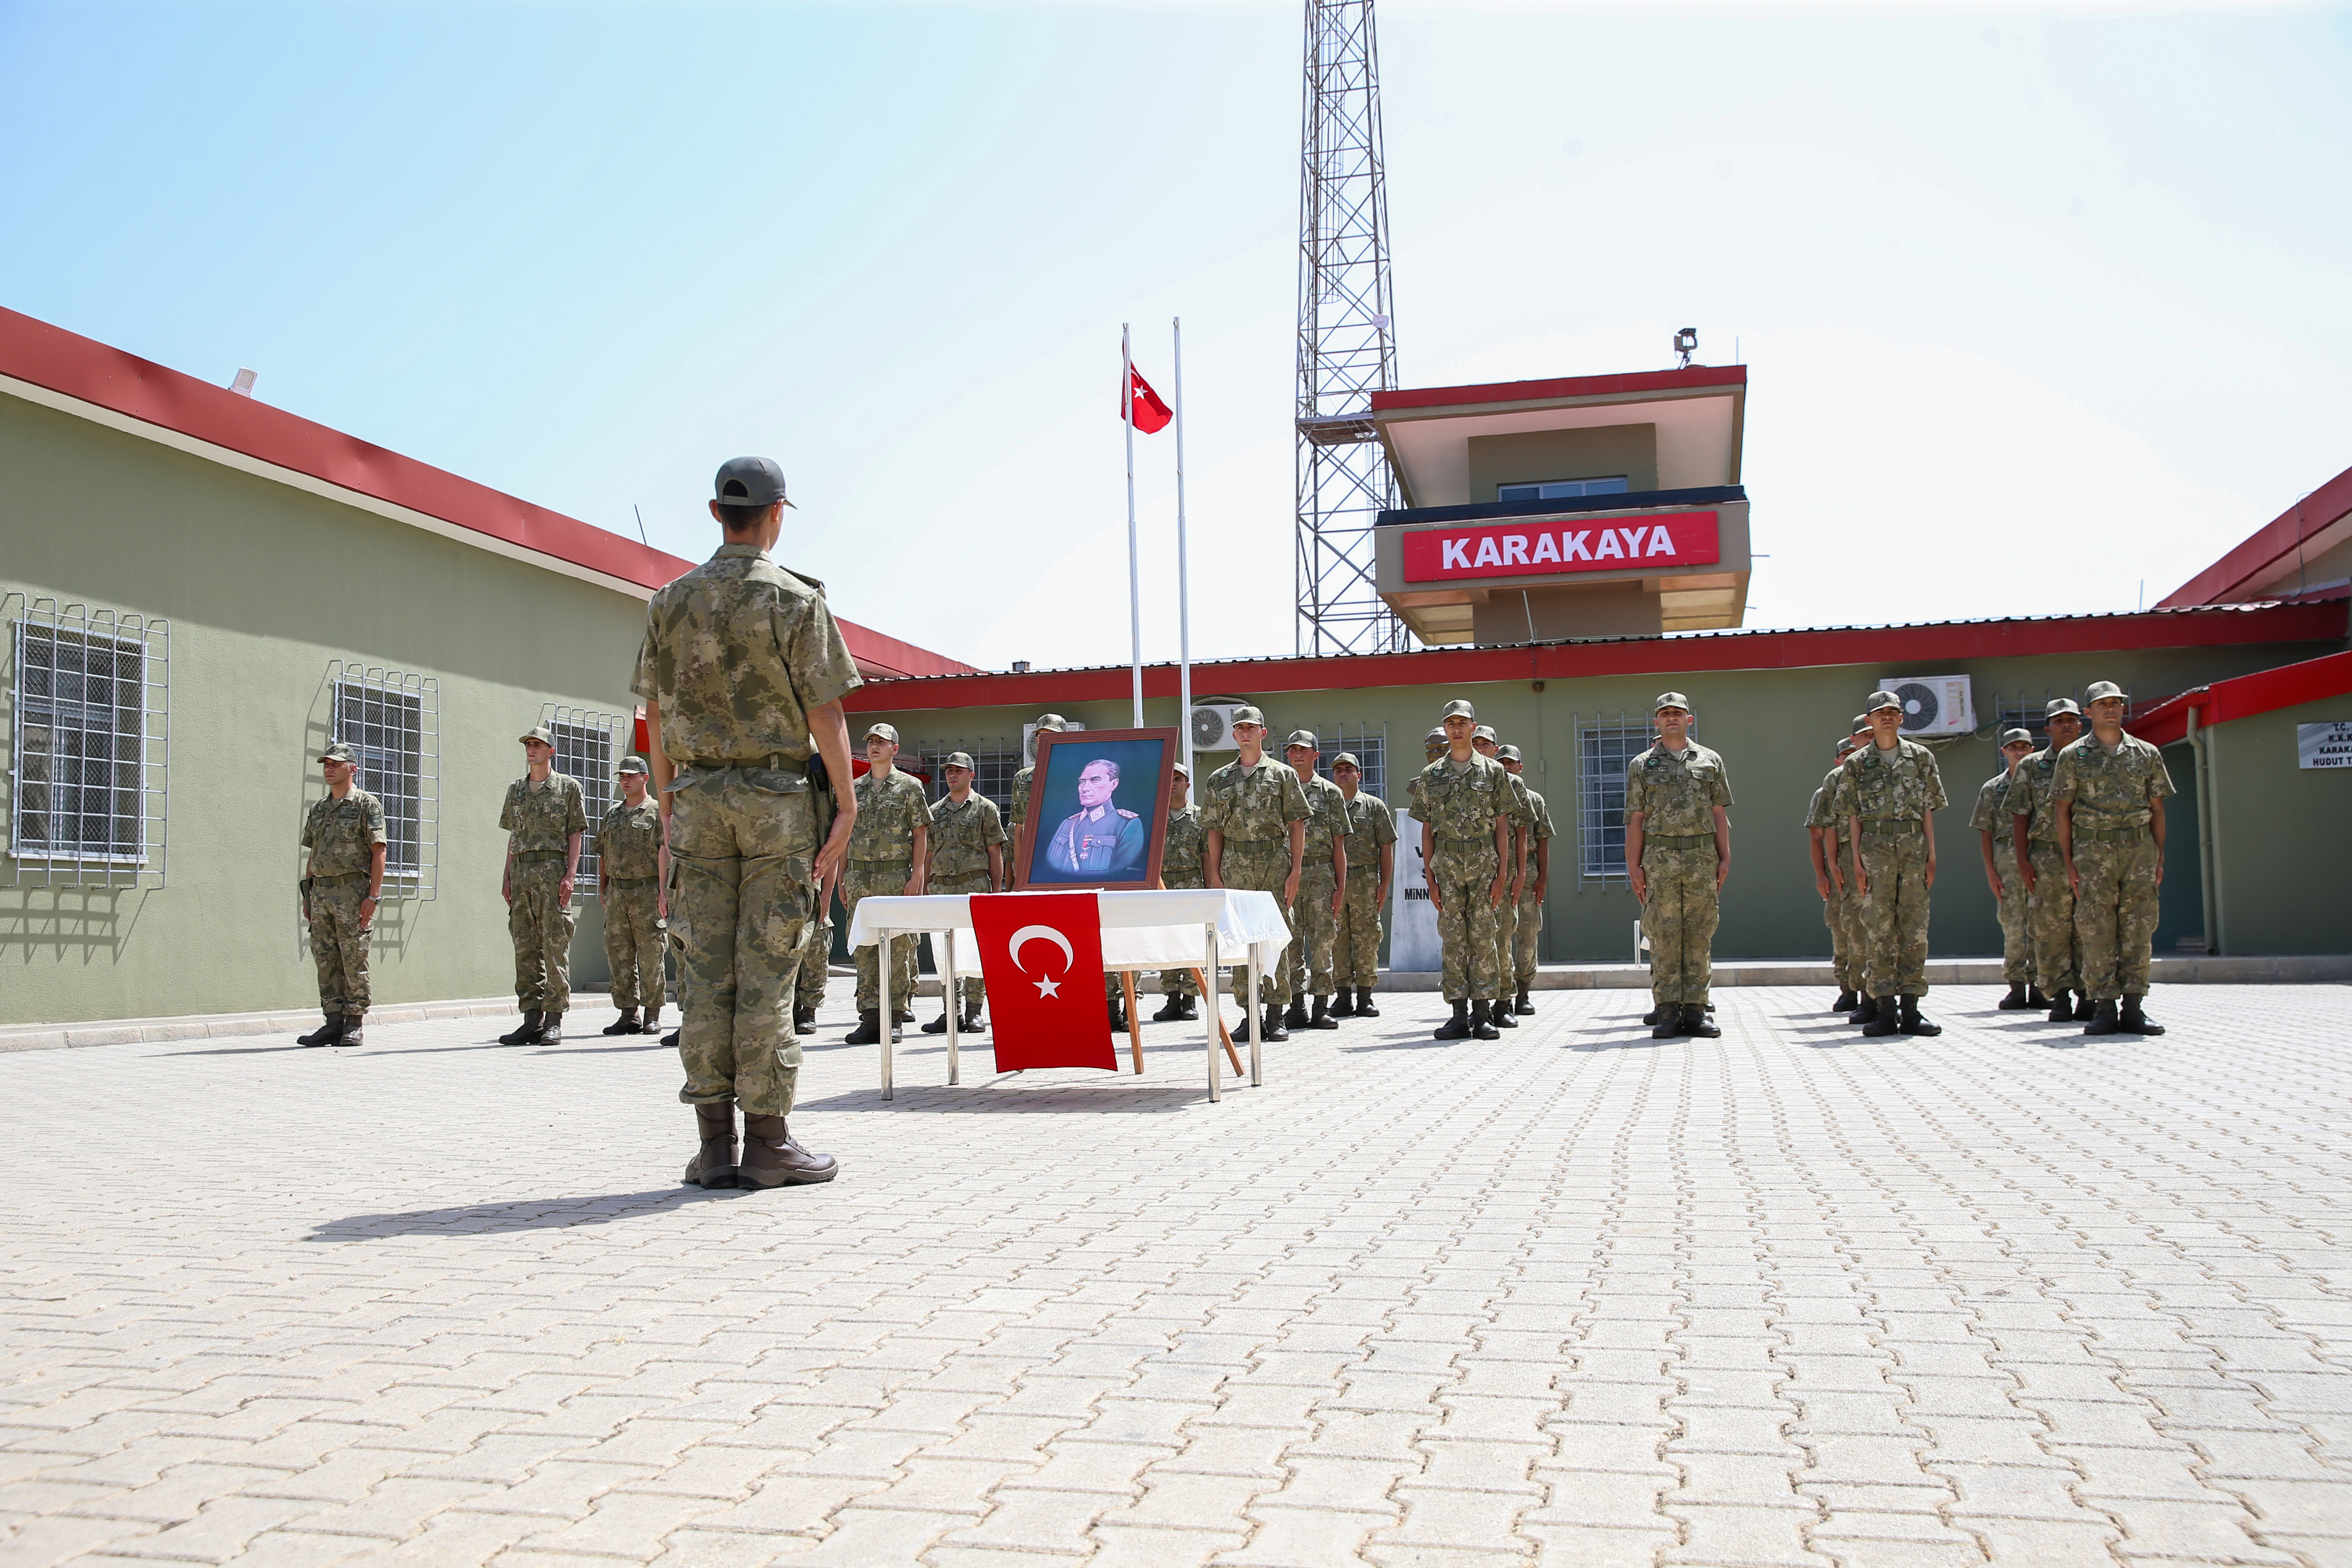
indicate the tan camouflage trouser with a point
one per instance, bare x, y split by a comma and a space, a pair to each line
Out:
1319, 929
1679, 916
2049, 915
742, 857
541, 923
1178, 981
1506, 941
1356, 949
1460, 874
339, 946
816, 958
634, 935
880, 879
1523, 939
1895, 913
1845, 952
2016, 929
2115, 913
1263, 864
967, 953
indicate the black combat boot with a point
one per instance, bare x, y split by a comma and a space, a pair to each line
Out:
2016, 1000
1910, 1023
651, 1023
1274, 1027
1457, 1028
1295, 1018
2103, 1020
550, 1032
1172, 1009
1522, 1007
2062, 1008
869, 1029
1498, 1013
971, 1025
670, 1039
1669, 1017
1846, 1002
626, 1024
526, 1032
1482, 1023
326, 1034
900, 1015
1697, 1023
2131, 1019
1883, 1019
2033, 997
354, 1030
1322, 1017
1864, 1010
1192, 1010
1117, 1006
939, 1026
1364, 1008
1658, 1014
2084, 1008
1343, 1005
804, 1023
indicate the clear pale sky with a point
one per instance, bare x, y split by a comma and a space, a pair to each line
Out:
2038, 304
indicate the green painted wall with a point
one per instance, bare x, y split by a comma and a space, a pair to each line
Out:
2283, 834
265, 585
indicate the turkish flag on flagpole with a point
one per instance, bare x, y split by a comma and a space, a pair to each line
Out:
1150, 414
1041, 954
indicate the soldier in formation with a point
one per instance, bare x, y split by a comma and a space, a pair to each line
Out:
1827, 843
1678, 854
2110, 789
1537, 858
1371, 861
742, 672
1180, 867
1889, 793
1521, 813
967, 851
1463, 802
1997, 831
816, 956
887, 849
1253, 826
632, 870
342, 881
1022, 783
2042, 865
1322, 886
544, 816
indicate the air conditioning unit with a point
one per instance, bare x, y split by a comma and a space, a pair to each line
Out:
1029, 740
1212, 726
1933, 704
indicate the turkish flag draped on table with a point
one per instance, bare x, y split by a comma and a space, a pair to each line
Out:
1041, 954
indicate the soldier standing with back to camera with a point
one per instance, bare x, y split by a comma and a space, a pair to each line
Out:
544, 816
1322, 886
967, 850
1180, 867
2110, 791
742, 672
1538, 861
1825, 836
1464, 801
341, 882
1997, 830
632, 867
1371, 846
1890, 792
1678, 854
1253, 830
2042, 866
886, 852
1521, 813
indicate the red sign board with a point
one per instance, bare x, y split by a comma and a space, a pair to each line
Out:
1556, 547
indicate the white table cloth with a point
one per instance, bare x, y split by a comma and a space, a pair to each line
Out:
1176, 928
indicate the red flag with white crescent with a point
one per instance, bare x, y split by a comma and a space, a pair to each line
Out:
1041, 954
1151, 415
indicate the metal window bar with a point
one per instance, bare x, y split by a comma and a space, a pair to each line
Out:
995, 761
1603, 750
392, 719
91, 735
1371, 747
586, 748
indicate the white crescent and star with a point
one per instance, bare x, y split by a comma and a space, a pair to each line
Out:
1046, 987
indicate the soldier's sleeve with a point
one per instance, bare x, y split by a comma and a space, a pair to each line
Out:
1383, 825
991, 823
1844, 799
1212, 815
1982, 820
934, 813
375, 832
2160, 778
1817, 810
575, 808
817, 657
309, 828
1937, 800
1544, 829
645, 683
2061, 778
507, 811
1294, 798
1637, 788
1721, 793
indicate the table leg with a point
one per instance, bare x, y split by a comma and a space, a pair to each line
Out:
1134, 1024
889, 1090
955, 1003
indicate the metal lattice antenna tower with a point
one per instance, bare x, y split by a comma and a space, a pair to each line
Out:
1347, 339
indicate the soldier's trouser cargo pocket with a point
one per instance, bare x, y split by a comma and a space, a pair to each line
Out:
744, 859
1895, 913
1462, 876
2050, 913
1318, 929
540, 920
634, 942
1356, 949
1680, 916
338, 945
2114, 914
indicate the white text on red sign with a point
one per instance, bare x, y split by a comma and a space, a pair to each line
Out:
1522, 550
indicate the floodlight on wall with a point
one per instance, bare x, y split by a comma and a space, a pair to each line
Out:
1687, 344
243, 385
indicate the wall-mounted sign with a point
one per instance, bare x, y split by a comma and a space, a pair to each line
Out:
1553, 547
2327, 745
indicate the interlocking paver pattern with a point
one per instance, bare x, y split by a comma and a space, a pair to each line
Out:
1574, 1296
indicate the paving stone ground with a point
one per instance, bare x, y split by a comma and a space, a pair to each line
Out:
1575, 1297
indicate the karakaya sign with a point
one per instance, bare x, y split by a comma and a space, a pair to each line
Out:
1551, 548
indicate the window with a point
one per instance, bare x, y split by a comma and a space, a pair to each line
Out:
1370, 748
392, 720
993, 764
583, 748
1561, 490
1602, 752
90, 745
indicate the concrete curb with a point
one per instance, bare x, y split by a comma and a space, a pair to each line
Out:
221, 1025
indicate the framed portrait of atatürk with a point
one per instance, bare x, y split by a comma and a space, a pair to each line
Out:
1098, 809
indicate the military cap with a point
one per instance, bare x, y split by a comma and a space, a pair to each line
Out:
2102, 689
1301, 738
1848, 744
537, 732
1670, 699
1507, 753
2057, 705
338, 752
750, 481
1436, 737
1184, 770
888, 732
2013, 736
1879, 700
960, 759
1248, 715
1458, 709
1483, 733
1052, 721
632, 764
1860, 722
1346, 759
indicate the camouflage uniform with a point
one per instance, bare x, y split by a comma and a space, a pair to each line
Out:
628, 866
2016, 937
1531, 911
1677, 793
1180, 867
816, 958
881, 864
737, 652
1460, 804
961, 835
2116, 856
1254, 808
1356, 956
1522, 815
1892, 793
2050, 908
540, 822
1315, 923
341, 836
1841, 910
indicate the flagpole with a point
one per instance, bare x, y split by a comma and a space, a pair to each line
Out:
1134, 580
1184, 567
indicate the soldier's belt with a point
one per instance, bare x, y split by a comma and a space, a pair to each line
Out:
539, 854
1258, 843
630, 881
778, 761
1890, 827
1466, 844
2115, 835
337, 877
1677, 840
898, 863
